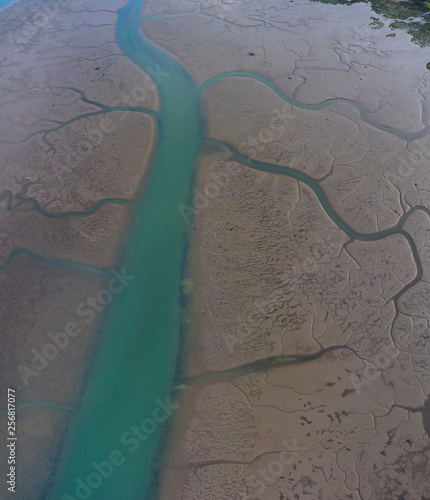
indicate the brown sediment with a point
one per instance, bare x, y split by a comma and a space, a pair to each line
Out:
192, 362
240, 425
174, 456
426, 416
60, 173
172, 469
40, 430
285, 272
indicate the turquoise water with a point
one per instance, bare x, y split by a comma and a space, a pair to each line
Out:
136, 361
6, 3
407, 136
135, 366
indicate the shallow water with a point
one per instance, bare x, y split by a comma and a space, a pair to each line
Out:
136, 361
137, 357
6, 3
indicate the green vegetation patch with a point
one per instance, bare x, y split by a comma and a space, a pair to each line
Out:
376, 23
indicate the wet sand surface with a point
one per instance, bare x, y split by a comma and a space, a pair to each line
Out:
72, 159
307, 371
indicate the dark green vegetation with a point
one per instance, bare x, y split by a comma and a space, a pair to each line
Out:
376, 23
412, 16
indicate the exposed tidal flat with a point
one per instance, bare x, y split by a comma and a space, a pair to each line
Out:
305, 368
74, 153
149, 313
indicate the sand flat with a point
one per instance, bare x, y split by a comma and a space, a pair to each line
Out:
275, 275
